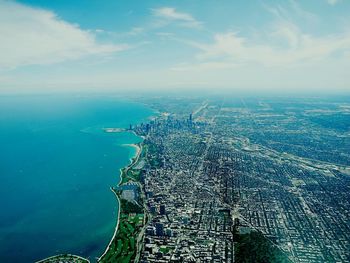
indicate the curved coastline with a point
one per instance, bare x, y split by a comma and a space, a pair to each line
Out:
133, 160
59, 257
85, 222
116, 227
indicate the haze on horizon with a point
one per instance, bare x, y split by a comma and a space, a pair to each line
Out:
92, 45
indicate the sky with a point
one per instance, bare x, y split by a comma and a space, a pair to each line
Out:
111, 45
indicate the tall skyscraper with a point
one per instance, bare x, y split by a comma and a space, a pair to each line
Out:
159, 229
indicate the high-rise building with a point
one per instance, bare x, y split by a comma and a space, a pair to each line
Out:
169, 232
153, 209
159, 229
162, 210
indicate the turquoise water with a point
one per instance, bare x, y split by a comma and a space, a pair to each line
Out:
56, 167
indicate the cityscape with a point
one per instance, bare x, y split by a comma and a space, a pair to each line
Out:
213, 173
159, 131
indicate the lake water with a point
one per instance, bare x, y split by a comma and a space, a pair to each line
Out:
56, 167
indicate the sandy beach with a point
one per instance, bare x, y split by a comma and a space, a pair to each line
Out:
137, 147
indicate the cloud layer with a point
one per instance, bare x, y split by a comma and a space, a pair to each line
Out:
171, 14
301, 49
333, 2
282, 44
35, 36
287, 45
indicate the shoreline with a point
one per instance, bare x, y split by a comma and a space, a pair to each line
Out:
136, 147
115, 229
48, 259
133, 160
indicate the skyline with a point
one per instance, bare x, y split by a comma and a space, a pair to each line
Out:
113, 45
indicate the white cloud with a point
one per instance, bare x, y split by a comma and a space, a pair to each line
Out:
136, 31
333, 2
36, 36
281, 44
171, 14
300, 13
302, 49
291, 10
204, 66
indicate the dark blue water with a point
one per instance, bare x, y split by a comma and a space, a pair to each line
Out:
56, 167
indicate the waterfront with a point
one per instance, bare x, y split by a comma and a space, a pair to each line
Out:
57, 165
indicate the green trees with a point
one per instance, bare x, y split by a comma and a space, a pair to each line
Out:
255, 248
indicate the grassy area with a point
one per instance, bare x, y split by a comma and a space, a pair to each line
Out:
255, 248
130, 207
165, 249
153, 155
123, 248
134, 174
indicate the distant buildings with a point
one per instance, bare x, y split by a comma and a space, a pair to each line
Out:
203, 175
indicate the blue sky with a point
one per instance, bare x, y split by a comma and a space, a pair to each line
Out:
108, 45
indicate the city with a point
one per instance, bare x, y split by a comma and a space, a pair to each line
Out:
175, 131
207, 179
